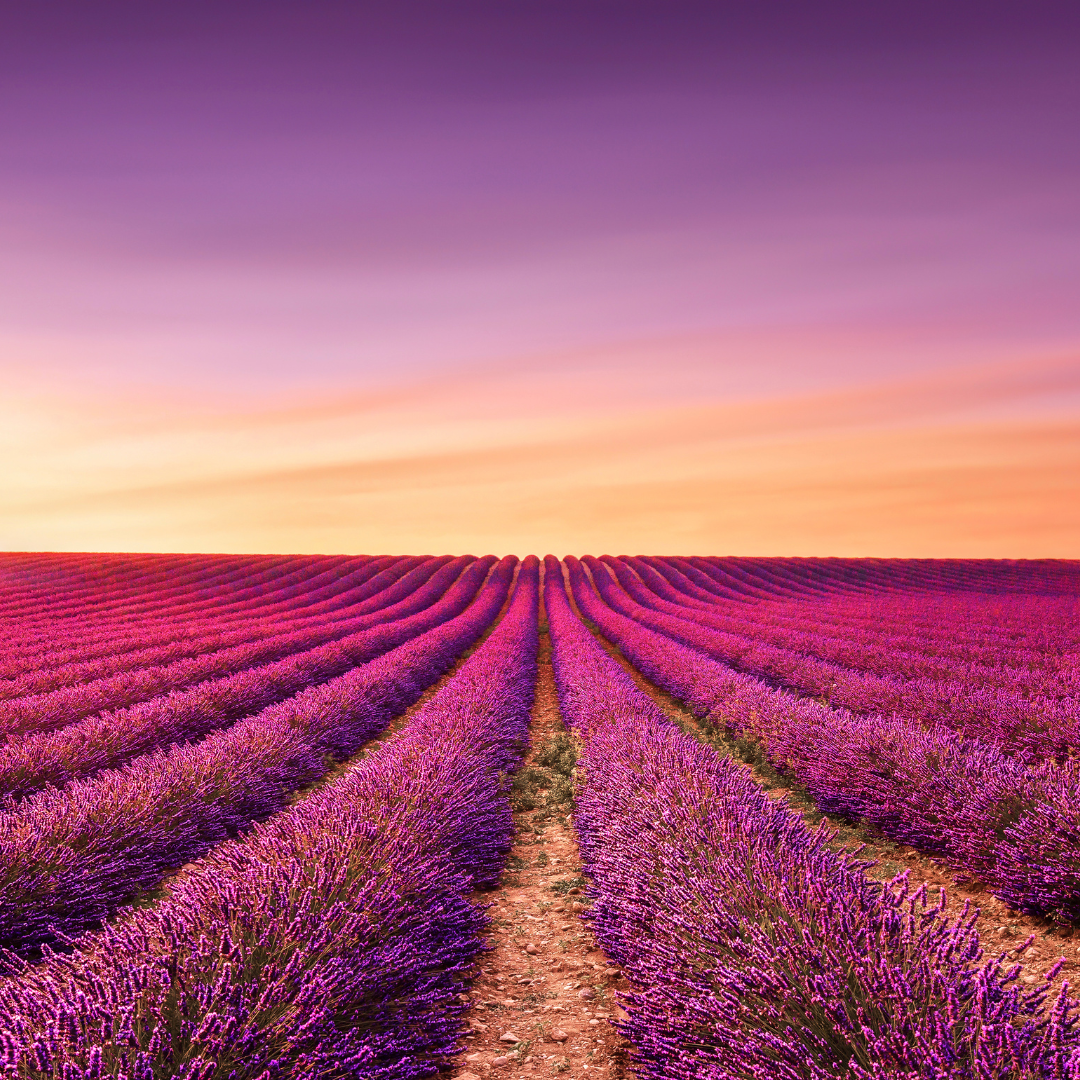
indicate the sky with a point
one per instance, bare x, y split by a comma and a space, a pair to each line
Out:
778, 278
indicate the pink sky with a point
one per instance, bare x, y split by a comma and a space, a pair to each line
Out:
321, 278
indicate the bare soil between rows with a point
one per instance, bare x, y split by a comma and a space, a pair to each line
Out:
546, 996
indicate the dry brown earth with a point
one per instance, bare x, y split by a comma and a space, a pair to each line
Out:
543, 1003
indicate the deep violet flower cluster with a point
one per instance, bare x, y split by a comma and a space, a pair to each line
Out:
43, 712
331, 941
69, 857
955, 636
144, 605
1038, 725
56, 666
1011, 826
30, 762
755, 952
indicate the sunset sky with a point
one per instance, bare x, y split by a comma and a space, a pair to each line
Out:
541, 276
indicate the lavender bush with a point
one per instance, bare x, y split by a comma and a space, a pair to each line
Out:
69, 857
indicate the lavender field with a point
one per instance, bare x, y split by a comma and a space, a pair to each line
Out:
261, 817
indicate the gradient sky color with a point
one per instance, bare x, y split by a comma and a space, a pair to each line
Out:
605, 276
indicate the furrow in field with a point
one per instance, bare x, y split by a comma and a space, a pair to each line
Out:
544, 998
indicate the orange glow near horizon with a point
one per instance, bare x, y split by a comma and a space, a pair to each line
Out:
978, 462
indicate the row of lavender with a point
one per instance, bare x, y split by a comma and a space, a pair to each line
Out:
678, 584
755, 951
160, 584
414, 591
771, 577
906, 624
1035, 627
32, 579
155, 642
1046, 723
32, 761
683, 1024
70, 856
1012, 826
333, 939
94, 579
401, 605
42, 587
68, 652
68, 639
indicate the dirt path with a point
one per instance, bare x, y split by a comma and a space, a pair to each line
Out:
543, 1002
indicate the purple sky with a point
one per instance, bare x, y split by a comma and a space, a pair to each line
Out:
325, 191
217, 205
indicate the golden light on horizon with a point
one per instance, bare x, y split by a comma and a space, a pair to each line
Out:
963, 464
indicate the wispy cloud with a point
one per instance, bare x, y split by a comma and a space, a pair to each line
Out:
980, 461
